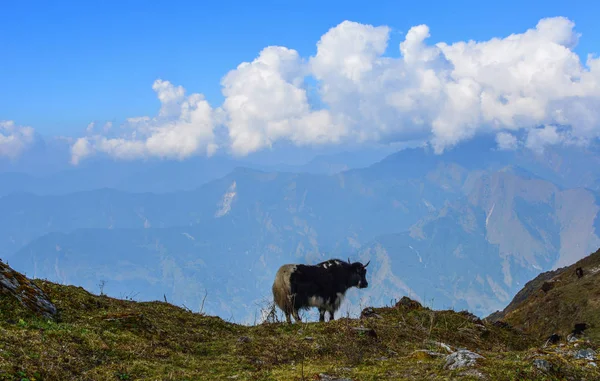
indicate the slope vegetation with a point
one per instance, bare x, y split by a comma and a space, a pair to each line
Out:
555, 301
95, 337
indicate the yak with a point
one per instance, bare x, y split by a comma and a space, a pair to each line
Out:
323, 285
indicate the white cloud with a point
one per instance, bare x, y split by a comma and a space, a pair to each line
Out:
448, 93
539, 138
183, 127
14, 139
506, 141
265, 102
443, 93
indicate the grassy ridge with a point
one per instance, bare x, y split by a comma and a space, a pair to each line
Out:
567, 300
101, 338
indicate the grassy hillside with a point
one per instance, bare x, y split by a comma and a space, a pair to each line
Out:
101, 338
568, 300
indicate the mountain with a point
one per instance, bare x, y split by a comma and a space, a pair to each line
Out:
447, 230
184, 243
554, 301
96, 337
45, 169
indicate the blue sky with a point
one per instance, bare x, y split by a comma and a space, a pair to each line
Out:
66, 64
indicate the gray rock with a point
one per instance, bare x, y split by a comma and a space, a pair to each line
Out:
542, 364
587, 354
369, 312
461, 359
26, 292
326, 377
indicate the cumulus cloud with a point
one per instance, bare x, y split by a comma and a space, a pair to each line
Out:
538, 138
14, 139
524, 84
265, 101
506, 141
183, 127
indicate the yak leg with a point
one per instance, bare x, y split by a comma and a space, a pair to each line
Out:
287, 318
296, 317
331, 315
321, 315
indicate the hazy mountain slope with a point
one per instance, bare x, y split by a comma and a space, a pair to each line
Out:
451, 254
457, 232
533, 220
379, 205
155, 176
257, 222
445, 261
477, 252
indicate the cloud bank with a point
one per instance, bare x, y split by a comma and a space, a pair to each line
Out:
529, 89
14, 139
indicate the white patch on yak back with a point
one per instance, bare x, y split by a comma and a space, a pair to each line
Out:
330, 263
225, 204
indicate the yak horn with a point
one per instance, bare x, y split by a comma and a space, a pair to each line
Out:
367, 264
349, 260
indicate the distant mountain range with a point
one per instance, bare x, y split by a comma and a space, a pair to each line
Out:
465, 229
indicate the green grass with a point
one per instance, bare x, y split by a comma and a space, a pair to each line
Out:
101, 338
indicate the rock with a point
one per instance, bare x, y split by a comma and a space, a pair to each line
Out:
309, 338
542, 364
587, 354
244, 339
409, 304
28, 294
369, 312
326, 377
461, 359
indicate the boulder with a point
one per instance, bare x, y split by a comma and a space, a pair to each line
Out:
409, 304
461, 359
542, 365
587, 354
25, 291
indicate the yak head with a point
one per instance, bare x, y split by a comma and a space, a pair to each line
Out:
358, 274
